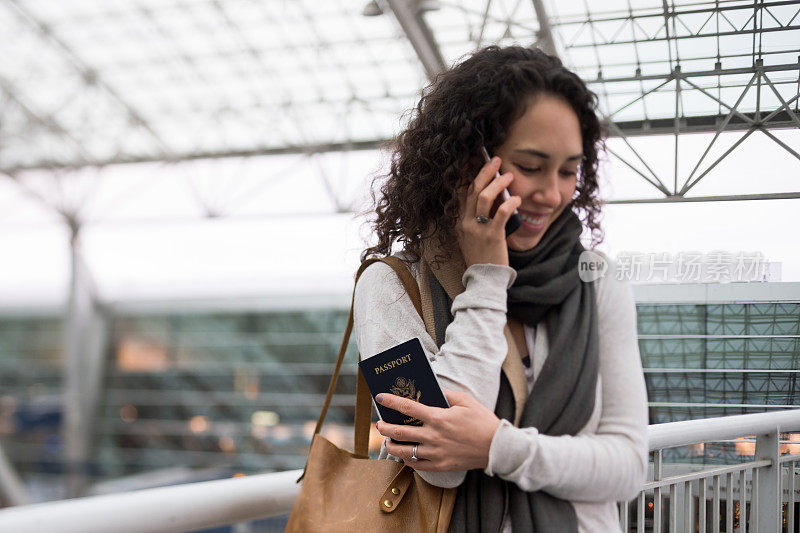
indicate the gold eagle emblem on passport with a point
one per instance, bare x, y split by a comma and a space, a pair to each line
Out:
406, 388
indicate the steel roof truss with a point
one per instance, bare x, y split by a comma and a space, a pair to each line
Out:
616, 130
47, 121
755, 124
720, 128
784, 104
86, 72
657, 184
780, 142
419, 35
741, 139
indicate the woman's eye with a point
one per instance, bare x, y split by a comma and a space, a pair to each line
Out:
568, 172
527, 169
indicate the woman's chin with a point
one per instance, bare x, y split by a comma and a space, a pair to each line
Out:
526, 238
522, 244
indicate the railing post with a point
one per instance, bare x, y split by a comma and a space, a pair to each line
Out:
769, 499
10, 483
657, 463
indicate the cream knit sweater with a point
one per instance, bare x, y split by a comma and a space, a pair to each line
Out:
606, 462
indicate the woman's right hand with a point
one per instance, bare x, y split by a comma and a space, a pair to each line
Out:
485, 243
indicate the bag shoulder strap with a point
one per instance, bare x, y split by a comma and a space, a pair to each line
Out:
363, 399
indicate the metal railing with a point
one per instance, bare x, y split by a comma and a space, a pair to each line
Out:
230, 501
691, 501
177, 508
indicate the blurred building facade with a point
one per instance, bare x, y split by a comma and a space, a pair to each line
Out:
192, 394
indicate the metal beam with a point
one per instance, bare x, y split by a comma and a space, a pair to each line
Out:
673, 38
697, 73
677, 11
30, 192
339, 205
86, 331
767, 511
48, 121
724, 198
372, 144
657, 183
544, 37
408, 14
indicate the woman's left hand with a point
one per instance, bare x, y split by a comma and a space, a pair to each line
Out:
457, 438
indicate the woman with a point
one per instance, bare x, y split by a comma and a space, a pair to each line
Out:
548, 418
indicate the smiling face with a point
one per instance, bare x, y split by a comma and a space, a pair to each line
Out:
543, 150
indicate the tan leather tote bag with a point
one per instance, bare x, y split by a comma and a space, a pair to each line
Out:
349, 492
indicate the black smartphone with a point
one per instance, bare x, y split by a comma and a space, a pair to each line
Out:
515, 221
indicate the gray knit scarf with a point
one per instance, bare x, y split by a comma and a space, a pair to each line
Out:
547, 289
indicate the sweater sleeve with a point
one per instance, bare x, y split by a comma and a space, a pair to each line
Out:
611, 463
474, 349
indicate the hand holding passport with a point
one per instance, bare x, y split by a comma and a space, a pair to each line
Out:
402, 370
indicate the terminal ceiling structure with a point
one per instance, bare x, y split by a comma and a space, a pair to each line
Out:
92, 84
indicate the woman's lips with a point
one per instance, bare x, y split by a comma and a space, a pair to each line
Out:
534, 222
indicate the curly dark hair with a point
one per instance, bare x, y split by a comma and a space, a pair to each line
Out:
473, 104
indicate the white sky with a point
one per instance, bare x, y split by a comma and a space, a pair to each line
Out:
145, 239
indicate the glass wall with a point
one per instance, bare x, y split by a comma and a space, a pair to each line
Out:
241, 391
30, 399
716, 360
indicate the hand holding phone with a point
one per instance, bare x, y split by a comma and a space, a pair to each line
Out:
515, 221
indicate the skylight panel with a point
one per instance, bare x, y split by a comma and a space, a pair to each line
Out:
179, 66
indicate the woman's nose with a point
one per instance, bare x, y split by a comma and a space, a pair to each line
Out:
546, 190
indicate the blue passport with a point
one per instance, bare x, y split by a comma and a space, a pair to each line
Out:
403, 370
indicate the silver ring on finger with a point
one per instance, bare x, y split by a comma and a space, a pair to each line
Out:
414, 457
481, 219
